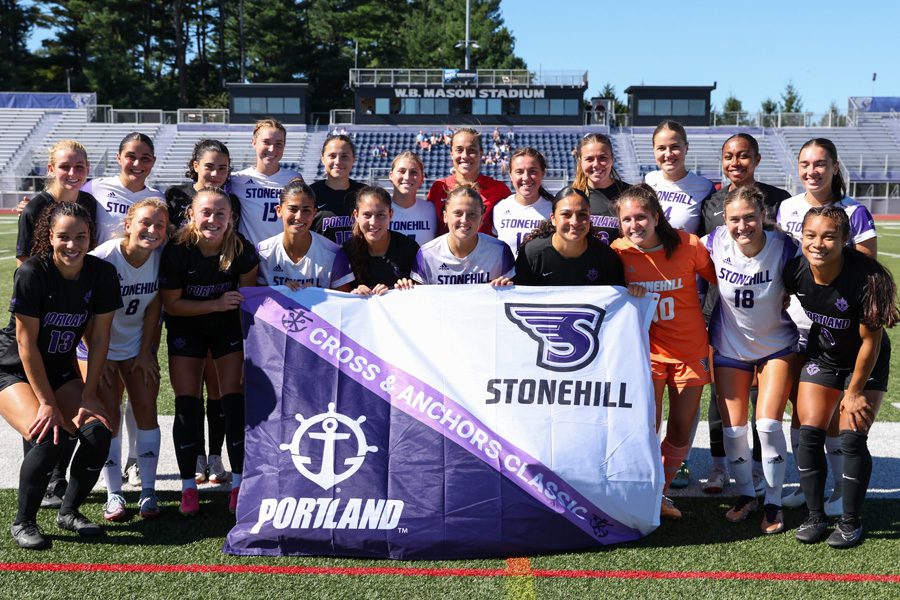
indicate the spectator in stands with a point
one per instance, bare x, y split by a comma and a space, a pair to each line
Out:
336, 194
596, 176
466, 152
447, 136
412, 216
495, 136
208, 167
740, 157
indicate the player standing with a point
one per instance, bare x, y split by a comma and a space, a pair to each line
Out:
336, 194
412, 217
521, 213
595, 175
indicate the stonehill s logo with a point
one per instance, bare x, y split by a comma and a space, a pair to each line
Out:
567, 334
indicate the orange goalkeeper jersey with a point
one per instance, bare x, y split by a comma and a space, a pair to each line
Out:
678, 332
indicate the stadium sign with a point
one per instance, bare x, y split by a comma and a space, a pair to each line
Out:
370, 433
453, 92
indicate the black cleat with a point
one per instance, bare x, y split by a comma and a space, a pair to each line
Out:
77, 522
812, 530
29, 535
846, 534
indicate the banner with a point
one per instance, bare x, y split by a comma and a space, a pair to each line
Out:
446, 422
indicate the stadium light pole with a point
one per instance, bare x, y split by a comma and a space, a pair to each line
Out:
467, 43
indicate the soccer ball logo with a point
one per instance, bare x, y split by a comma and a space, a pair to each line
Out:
330, 421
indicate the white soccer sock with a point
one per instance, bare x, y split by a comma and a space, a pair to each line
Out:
148, 441
132, 429
112, 468
835, 462
737, 449
773, 447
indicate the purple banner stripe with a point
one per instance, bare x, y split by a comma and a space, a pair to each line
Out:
432, 408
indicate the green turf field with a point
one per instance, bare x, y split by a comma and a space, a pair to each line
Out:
697, 556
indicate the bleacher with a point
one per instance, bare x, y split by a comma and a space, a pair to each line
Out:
16, 127
868, 151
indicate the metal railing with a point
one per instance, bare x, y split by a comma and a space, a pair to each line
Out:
482, 77
202, 115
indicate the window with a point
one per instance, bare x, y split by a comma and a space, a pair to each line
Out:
680, 107
382, 106
242, 106
571, 107
291, 106
258, 106
275, 106
426, 106
542, 107
557, 107
410, 106
526, 107
645, 108
441, 106
663, 108
697, 108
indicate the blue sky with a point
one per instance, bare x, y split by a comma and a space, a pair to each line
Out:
751, 49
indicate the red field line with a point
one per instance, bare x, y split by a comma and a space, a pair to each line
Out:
440, 572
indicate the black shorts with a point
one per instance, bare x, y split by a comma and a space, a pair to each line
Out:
197, 344
57, 379
839, 379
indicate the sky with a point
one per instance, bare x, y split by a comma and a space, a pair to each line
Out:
751, 49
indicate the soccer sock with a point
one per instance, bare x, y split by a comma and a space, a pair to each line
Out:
148, 442
757, 453
672, 457
773, 448
184, 434
835, 461
233, 405
716, 444
215, 420
112, 468
813, 469
86, 464
201, 431
857, 470
738, 451
795, 445
67, 445
35, 475
130, 427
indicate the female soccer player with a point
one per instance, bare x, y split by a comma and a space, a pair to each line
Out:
298, 257
464, 255
55, 294
336, 194
595, 175
563, 251
819, 171
523, 212
379, 257
850, 299
259, 187
199, 276
412, 217
751, 333
681, 192
740, 157
131, 360
466, 151
662, 259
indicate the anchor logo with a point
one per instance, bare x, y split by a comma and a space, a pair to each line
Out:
327, 478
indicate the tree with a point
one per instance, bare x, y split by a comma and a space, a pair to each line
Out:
732, 111
833, 116
791, 102
16, 25
769, 106
609, 91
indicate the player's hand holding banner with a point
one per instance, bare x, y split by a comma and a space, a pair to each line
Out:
446, 422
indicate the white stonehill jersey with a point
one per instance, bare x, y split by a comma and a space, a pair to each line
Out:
139, 288
682, 200
315, 269
259, 195
790, 219
436, 264
417, 221
749, 321
114, 200
513, 221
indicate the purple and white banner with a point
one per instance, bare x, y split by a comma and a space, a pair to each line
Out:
446, 422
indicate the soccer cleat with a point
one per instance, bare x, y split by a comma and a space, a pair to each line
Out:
29, 535
77, 522
132, 473
773, 519
667, 510
796, 499
834, 506
682, 478
846, 534
54, 496
233, 499
201, 469
741, 509
812, 530
148, 505
718, 479
217, 472
190, 502
114, 509
759, 483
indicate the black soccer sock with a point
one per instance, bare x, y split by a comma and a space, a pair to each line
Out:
35, 475
184, 434
757, 449
716, 435
813, 468
233, 406
215, 419
857, 470
67, 445
201, 432
87, 463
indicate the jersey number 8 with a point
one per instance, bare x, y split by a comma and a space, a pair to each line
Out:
132, 306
